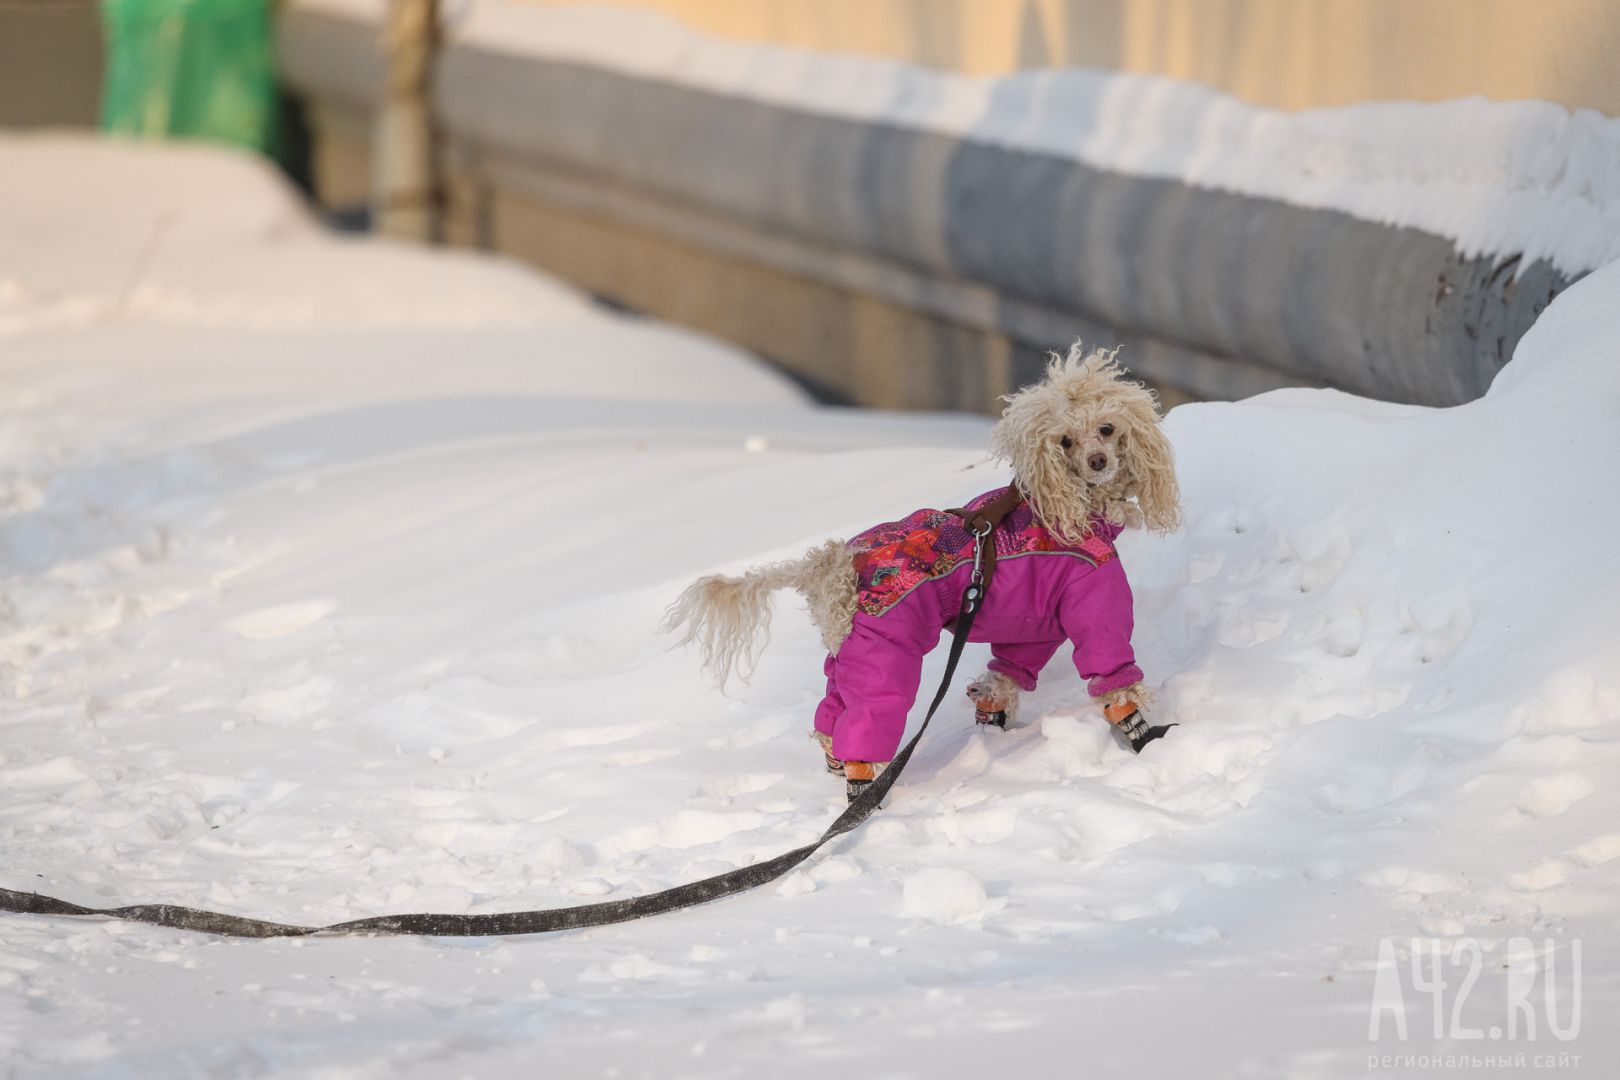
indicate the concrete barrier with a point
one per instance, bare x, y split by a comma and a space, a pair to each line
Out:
910, 268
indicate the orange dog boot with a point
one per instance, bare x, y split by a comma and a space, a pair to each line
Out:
858, 776
1133, 733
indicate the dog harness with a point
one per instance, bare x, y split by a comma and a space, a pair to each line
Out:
894, 558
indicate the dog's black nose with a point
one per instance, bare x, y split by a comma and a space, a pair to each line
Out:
1098, 462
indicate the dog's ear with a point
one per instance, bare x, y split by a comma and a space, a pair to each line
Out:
1151, 462
1029, 437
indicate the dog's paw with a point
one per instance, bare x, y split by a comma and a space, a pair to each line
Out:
993, 688
995, 698
1136, 693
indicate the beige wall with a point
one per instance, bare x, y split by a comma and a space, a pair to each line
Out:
1288, 54
50, 63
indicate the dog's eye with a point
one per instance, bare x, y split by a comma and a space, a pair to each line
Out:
1066, 442
1106, 430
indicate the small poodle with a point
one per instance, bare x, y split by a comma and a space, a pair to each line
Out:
1088, 460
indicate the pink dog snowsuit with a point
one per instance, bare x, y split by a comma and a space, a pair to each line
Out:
911, 575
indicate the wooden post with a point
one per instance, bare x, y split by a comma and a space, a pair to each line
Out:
404, 170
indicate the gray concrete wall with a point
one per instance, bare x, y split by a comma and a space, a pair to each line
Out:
804, 236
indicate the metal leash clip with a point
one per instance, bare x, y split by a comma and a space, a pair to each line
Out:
972, 597
975, 591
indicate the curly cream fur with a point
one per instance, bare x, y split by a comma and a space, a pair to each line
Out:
830, 588
1136, 694
1082, 395
994, 692
730, 617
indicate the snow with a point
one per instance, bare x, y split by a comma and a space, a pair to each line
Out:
331, 590
944, 895
1496, 178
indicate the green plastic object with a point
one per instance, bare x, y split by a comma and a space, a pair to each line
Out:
190, 68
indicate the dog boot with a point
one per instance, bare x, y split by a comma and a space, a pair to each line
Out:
834, 766
995, 699
858, 776
1129, 728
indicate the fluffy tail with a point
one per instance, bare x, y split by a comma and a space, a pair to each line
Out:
729, 618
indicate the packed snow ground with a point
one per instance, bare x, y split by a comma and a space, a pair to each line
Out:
330, 576
1520, 178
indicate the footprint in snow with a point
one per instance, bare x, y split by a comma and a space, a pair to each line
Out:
643, 757
1343, 633
732, 786
1552, 795
753, 734
1229, 521
1548, 874
1436, 629
1408, 882
1316, 560
1597, 852
1570, 701
683, 829
266, 624
1364, 787
1242, 627
299, 701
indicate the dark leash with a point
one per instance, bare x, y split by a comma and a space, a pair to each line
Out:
569, 918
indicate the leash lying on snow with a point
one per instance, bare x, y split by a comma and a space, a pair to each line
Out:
572, 918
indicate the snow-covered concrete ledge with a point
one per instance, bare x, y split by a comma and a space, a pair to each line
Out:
1231, 249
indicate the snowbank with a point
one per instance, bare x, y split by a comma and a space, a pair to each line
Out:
337, 619
1512, 178
95, 232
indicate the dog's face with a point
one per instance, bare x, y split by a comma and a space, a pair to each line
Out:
1086, 442
1094, 440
